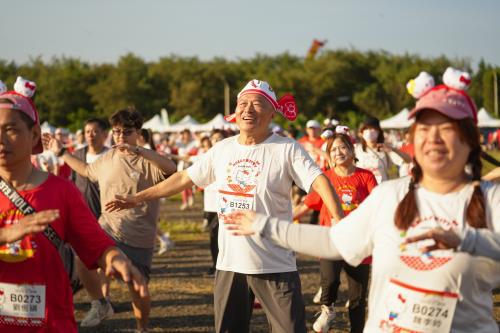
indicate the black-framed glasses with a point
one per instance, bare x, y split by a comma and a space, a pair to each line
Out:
124, 132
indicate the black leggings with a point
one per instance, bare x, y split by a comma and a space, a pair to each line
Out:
357, 280
213, 227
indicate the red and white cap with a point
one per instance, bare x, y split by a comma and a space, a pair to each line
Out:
20, 100
285, 105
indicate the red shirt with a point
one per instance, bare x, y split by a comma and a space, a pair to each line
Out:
352, 190
35, 261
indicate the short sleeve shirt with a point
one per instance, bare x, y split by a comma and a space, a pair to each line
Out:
263, 174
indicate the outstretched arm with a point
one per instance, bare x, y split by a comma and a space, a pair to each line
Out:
493, 175
163, 163
56, 146
174, 184
304, 238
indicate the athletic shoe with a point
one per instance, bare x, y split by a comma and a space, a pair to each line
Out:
325, 319
317, 297
165, 243
97, 313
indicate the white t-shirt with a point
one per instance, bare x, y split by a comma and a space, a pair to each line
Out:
378, 162
91, 158
373, 232
257, 177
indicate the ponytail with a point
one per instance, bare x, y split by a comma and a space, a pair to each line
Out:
407, 210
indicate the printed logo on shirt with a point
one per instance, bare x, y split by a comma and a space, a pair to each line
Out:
347, 194
412, 256
242, 175
18, 251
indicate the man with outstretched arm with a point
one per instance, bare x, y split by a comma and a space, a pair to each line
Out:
253, 170
126, 169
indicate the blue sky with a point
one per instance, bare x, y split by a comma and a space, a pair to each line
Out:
101, 31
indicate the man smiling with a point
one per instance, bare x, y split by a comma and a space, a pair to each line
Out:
253, 170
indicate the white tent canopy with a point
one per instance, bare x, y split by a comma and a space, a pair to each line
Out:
399, 121
218, 122
186, 122
484, 119
155, 124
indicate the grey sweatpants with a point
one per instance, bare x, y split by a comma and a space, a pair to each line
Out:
280, 295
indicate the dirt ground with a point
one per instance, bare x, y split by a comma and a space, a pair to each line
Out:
182, 293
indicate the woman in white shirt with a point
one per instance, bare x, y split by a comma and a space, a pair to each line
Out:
434, 236
374, 154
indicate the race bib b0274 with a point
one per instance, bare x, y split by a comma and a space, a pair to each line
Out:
412, 309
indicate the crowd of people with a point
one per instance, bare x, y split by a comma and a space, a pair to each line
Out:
421, 251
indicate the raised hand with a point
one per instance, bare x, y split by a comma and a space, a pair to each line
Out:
121, 202
444, 239
49, 142
241, 222
29, 224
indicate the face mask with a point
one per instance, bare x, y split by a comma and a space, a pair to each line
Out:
370, 135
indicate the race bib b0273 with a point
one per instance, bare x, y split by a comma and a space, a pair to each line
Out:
22, 304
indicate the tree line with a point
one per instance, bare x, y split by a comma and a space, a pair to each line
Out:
344, 84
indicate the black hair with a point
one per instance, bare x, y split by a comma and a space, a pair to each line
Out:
101, 123
128, 117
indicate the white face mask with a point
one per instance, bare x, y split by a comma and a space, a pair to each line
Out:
370, 135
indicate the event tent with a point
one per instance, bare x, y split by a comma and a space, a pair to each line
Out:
399, 121
218, 122
484, 119
155, 124
186, 122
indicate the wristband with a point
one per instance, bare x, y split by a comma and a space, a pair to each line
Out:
61, 152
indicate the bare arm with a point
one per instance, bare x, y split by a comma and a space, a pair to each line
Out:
76, 164
404, 156
116, 264
163, 163
325, 189
174, 184
493, 175
299, 211
56, 146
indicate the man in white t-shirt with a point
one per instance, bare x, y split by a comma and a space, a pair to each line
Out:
253, 170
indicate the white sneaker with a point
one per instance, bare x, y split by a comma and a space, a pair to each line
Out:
325, 319
97, 313
317, 297
165, 243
